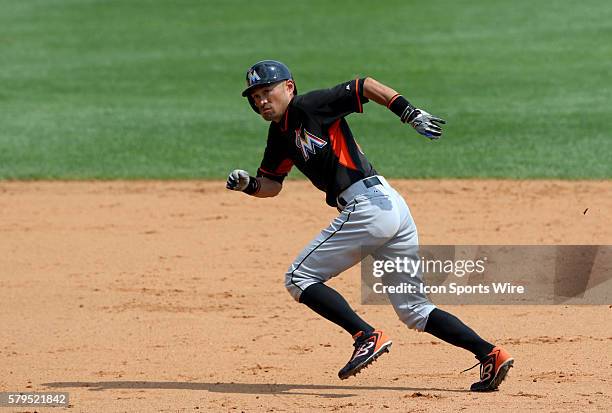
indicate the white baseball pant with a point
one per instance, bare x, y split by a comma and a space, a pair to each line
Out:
373, 220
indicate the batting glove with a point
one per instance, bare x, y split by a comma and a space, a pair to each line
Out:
424, 123
237, 180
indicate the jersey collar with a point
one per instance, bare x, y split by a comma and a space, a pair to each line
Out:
284, 123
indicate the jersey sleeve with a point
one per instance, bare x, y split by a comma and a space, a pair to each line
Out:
276, 163
336, 102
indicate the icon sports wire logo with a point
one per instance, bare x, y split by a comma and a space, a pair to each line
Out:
491, 274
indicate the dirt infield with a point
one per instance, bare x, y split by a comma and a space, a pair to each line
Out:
169, 297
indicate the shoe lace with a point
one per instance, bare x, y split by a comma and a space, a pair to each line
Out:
358, 343
362, 339
468, 369
481, 363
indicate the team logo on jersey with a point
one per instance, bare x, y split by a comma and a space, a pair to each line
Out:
308, 143
252, 77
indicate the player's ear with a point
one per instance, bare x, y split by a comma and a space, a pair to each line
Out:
290, 86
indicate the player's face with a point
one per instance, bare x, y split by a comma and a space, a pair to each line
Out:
272, 100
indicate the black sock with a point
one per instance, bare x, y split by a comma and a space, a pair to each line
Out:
328, 303
449, 328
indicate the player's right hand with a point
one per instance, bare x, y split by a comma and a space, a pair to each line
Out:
237, 180
425, 123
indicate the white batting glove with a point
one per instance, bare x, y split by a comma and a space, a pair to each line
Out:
425, 123
237, 180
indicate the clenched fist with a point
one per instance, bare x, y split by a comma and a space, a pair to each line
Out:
237, 180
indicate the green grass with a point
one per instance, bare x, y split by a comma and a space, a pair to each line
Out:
151, 89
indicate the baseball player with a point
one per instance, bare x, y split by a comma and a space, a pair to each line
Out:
310, 132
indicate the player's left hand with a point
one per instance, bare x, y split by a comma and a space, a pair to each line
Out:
237, 180
425, 123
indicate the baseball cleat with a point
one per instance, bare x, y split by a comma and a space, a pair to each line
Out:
368, 347
493, 370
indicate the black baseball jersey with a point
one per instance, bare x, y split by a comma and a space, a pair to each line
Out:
314, 136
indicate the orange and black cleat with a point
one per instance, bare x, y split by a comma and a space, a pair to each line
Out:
493, 370
368, 347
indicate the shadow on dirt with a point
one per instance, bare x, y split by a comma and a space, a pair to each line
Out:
243, 388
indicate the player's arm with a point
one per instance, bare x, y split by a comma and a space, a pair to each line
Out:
376, 91
267, 187
260, 186
423, 122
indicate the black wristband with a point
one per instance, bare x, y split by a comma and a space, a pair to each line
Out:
401, 107
253, 186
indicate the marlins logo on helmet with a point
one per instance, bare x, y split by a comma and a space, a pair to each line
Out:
252, 77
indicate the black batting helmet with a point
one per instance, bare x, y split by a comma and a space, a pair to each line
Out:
265, 72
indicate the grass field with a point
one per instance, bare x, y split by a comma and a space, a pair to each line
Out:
151, 89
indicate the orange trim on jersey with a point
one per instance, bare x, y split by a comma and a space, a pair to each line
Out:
286, 121
359, 107
392, 100
285, 166
338, 143
268, 172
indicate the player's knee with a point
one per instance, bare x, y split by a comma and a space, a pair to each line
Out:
295, 283
297, 280
415, 316
292, 288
